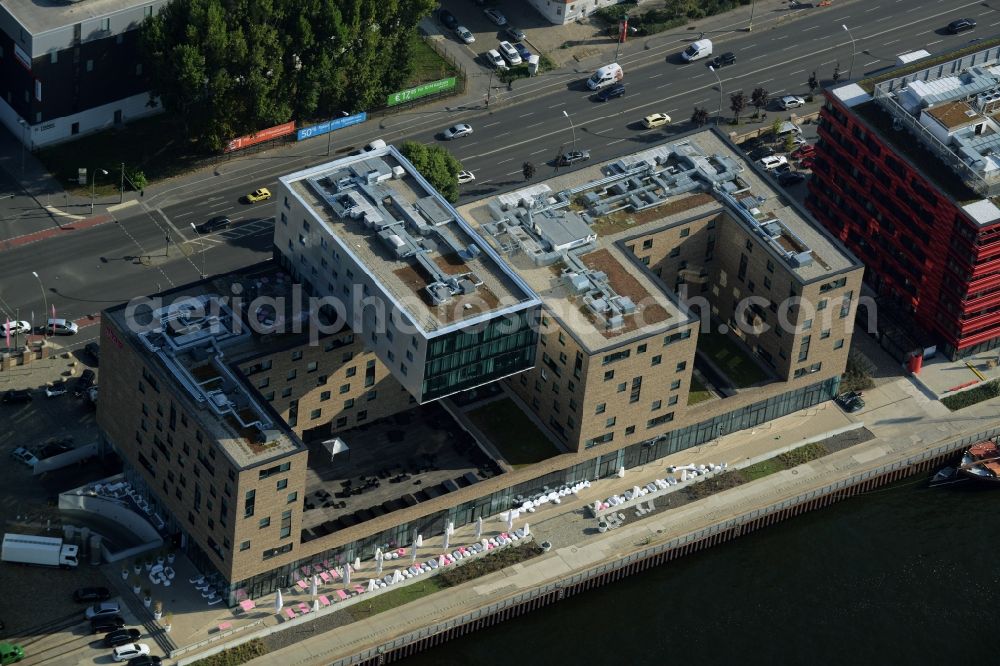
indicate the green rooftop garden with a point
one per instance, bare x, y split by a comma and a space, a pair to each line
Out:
516, 436
730, 358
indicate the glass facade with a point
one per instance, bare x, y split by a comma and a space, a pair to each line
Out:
604, 466
466, 358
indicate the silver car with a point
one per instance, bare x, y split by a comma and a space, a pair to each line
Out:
791, 102
495, 15
465, 34
457, 131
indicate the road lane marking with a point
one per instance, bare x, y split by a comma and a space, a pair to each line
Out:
492, 124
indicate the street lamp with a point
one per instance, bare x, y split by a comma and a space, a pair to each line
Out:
753, 5
622, 30
718, 119
850, 72
24, 127
572, 127
45, 304
93, 185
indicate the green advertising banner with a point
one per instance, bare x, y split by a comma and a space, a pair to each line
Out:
421, 91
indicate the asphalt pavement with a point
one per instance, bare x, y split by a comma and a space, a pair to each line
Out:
148, 244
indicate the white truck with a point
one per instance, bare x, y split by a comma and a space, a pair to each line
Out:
43, 551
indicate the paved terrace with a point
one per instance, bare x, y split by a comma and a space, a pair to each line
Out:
903, 419
392, 464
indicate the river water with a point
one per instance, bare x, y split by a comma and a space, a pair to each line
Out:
902, 575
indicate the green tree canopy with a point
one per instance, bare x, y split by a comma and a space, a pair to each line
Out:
225, 68
437, 165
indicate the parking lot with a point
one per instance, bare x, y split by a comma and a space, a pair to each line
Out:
36, 607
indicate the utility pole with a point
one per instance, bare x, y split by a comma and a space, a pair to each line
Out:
121, 197
753, 6
489, 88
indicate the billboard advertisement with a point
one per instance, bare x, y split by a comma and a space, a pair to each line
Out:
330, 125
411, 94
260, 137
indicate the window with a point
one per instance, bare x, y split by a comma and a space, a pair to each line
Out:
315, 414
286, 392
617, 356
630, 430
324, 396
622, 386
264, 522
674, 385
824, 334
636, 390
659, 420
656, 360
600, 408
672, 400
807, 325
349, 403
286, 524
656, 405
345, 388
610, 423
312, 366
248, 504
273, 471
839, 344
282, 484
609, 375
822, 304
641, 349
351, 371
244, 545
681, 366
292, 497
648, 243
291, 375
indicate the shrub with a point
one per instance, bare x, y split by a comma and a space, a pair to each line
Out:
802, 455
972, 396
235, 656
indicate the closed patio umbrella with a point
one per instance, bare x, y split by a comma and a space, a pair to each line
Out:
314, 586
527, 530
447, 537
357, 563
315, 605
510, 520
479, 527
397, 577
278, 602
379, 558
372, 585
347, 574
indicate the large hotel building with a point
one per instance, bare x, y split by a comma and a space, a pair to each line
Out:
908, 177
317, 406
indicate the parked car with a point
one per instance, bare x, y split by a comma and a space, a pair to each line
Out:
59, 326
91, 594
495, 15
448, 19
572, 157
15, 396
86, 380
102, 625
791, 102
15, 327
509, 53
513, 34
611, 92
145, 660
25, 456
377, 144
494, 58
522, 51
260, 194
457, 131
763, 151
103, 609
790, 178
10, 653
806, 150
217, 223
129, 651
850, 401
55, 389
465, 34
655, 120
806, 163
465, 177
121, 637
727, 58
773, 161
961, 25
94, 349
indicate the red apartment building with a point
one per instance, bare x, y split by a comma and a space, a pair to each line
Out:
908, 177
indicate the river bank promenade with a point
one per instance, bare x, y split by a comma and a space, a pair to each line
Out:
903, 419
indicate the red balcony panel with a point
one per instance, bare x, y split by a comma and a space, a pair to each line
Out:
973, 324
987, 282
981, 302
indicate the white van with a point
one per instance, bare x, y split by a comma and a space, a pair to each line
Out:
605, 76
697, 50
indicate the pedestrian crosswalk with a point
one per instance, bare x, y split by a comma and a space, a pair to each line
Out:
239, 229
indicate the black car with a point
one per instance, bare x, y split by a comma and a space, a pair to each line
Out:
91, 594
144, 660
723, 60
121, 637
94, 350
103, 625
572, 157
215, 224
513, 34
16, 396
448, 19
758, 153
961, 25
790, 178
611, 92
851, 401
86, 380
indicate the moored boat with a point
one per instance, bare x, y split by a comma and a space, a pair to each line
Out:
981, 461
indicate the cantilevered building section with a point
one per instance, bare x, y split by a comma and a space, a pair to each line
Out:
434, 301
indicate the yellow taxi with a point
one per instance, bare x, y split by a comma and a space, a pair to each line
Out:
655, 120
262, 194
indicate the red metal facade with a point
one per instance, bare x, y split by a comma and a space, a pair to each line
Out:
920, 248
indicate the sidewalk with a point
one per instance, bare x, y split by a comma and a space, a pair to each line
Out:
898, 416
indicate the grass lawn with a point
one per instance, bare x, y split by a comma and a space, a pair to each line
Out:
427, 64
698, 392
516, 436
762, 469
394, 598
731, 359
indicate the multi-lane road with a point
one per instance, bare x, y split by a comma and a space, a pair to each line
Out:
151, 245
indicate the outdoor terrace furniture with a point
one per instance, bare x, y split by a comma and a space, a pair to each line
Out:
290, 613
247, 605
325, 577
302, 585
449, 485
341, 595
303, 608
324, 600
225, 626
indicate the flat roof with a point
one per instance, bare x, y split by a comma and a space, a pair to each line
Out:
39, 16
377, 208
628, 196
197, 340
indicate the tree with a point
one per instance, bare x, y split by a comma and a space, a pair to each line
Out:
759, 98
528, 169
737, 102
813, 83
437, 165
836, 72
699, 116
223, 69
